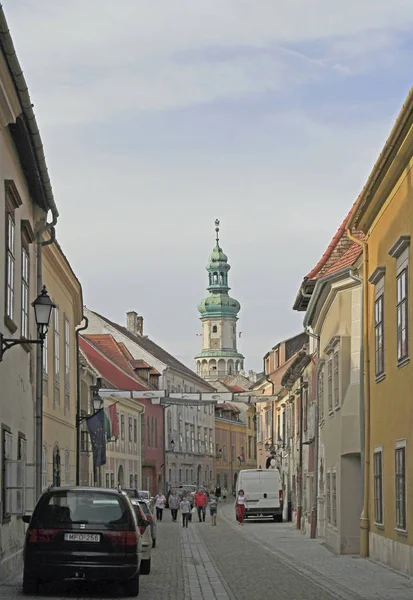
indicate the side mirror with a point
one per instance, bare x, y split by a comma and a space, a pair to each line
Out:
26, 519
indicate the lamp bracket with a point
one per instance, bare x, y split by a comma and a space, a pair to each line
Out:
7, 343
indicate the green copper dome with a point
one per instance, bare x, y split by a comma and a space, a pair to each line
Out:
218, 303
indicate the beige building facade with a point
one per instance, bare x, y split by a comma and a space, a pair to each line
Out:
60, 369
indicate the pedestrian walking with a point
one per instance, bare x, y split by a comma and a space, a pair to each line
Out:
160, 502
218, 493
201, 502
185, 507
213, 507
174, 501
224, 494
240, 505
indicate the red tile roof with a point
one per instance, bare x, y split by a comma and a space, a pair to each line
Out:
154, 372
348, 259
105, 367
236, 388
140, 364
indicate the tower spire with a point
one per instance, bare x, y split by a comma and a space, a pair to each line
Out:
217, 230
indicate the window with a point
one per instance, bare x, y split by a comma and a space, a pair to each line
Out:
233, 452
44, 468
67, 353
305, 409
149, 432
328, 497
122, 427
156, 432
25, 293
186, 475
321, 394
112, 480
169, 421
10, 266
84, 441
284, 440
130, 424
402, 317
107, 480
334, 499
7, 455
180, 475
45, 356
215, 329
378, 486
279, 427
379, 335
224, 452
56, 345
336, 379
131, 480
135, 430
330, 385
170, 476
67, 467
400, 456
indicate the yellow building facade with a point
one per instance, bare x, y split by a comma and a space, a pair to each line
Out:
384, 212
60, 369
230, 446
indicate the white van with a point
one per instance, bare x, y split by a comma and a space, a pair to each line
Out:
264, 492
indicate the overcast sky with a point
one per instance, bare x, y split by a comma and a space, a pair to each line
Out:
159, 116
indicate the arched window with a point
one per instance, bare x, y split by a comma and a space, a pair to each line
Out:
215, 277
221, 278
215, 329
56, 467
169, 420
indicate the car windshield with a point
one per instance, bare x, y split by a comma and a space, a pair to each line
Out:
144, 495
81, 507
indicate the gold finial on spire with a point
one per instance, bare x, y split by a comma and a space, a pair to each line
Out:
217, 229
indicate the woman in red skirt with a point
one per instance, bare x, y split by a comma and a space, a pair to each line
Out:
240, 504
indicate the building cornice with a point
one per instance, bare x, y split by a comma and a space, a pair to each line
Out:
399, 246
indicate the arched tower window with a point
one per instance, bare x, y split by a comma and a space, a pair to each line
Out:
221, 278
215, 277
215, 329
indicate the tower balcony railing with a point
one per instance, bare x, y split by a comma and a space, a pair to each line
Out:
216, 374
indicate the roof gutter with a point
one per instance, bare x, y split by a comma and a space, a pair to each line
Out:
381, 163
27, 106
316, 293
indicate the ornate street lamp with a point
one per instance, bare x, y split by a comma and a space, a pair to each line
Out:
43, 307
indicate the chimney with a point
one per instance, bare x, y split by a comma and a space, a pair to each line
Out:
132, 322
139, 325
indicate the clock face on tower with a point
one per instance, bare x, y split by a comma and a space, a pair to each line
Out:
214, 343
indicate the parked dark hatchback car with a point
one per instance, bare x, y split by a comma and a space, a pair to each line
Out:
88, 534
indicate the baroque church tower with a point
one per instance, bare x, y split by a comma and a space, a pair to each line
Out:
219, 357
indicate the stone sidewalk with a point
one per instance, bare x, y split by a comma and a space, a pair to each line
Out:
344, 576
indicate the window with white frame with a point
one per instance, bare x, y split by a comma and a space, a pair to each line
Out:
321, 394
25, 270
67, 353
400, 472
378, 485
336, 380
44, 468
330, 385
377, 279
45, 356
135, 431
10, 266
400, 251
402, 316
328, 497
107, 479
7, 455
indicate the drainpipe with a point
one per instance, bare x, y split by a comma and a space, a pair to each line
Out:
39, 360
362, 407
365, 518
78, 399
314, 512
300, 460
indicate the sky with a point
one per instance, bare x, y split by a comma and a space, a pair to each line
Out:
158, 117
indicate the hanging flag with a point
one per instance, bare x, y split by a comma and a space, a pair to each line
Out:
96, 427
111, 421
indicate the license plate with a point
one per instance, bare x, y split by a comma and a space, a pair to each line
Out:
82, 537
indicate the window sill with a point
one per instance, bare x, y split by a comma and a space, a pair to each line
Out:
402, 532
403, 362
10, 324
380, 377
379, 526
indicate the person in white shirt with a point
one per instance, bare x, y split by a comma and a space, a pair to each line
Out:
240, 505
185, 507
160, 502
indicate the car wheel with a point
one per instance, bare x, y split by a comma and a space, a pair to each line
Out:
30, 584
145, 567
132, 586
154, 543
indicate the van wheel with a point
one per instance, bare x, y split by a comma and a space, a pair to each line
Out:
145, 567
132, 586
278, 518
30, 584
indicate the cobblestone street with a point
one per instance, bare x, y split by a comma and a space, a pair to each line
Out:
228, 562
